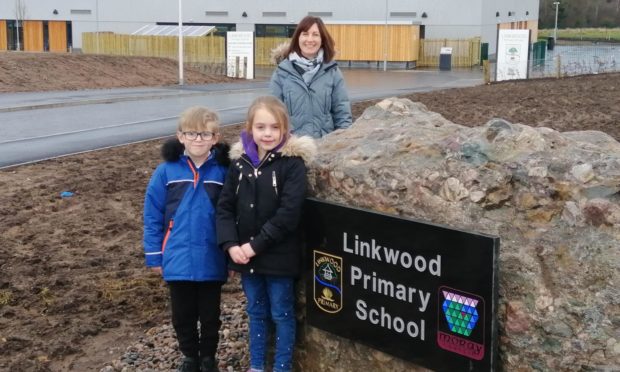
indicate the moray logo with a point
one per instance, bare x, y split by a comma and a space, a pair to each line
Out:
461, 323
327, 282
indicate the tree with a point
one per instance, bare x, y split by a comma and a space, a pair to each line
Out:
20, 15
580, 13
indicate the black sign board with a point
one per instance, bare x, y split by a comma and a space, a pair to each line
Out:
422, 292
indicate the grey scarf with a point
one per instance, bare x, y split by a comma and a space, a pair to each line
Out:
309, 66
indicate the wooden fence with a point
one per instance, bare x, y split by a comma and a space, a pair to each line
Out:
368, 42
211, 49
465, 52
206, 49
264, 45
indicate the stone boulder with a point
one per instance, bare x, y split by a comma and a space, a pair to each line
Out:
553, 199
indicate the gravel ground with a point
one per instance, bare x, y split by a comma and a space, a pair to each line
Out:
157, 349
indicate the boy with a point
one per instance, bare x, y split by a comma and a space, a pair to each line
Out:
179, 234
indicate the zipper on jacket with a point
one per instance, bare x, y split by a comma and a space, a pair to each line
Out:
274, 182
259, 165
239, 183
194, 171
163, 245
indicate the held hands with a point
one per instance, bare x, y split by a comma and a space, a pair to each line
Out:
241, 255
157, 270
248, 251
237, 255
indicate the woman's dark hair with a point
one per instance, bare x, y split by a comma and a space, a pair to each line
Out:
327, 43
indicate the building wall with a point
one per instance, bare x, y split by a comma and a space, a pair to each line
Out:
33, 36
444, 19
57, 31
3, 32
520, 10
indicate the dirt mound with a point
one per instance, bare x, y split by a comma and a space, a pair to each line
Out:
73, 290
26, 72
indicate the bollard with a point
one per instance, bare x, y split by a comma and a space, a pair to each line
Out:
486, 71
237, 72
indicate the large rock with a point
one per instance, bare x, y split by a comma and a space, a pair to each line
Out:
552, 198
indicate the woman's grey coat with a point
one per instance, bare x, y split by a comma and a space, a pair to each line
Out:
315, 109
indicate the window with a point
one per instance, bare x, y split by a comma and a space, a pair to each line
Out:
213, 13
320, 14
404, 14
80, 11
274, 14
275, 30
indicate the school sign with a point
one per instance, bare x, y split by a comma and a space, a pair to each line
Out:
421, 292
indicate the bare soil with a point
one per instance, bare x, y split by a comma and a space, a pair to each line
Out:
28, 72
73, 290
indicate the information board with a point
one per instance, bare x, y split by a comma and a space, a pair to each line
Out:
422, 292
512, 54
240, 54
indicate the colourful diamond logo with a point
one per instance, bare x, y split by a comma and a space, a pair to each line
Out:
460, 312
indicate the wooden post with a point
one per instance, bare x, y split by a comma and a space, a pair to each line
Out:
245, 67
486, 71
237, 72
558, 67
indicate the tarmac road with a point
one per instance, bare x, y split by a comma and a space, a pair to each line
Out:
38, 126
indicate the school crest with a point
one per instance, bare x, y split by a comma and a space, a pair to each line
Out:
327, 282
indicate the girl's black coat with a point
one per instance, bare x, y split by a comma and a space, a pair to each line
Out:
262, 205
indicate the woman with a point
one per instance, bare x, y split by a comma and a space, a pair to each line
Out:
310, 84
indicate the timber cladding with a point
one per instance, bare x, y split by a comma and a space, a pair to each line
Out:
57, 36
3, 35
367, 42
33, 36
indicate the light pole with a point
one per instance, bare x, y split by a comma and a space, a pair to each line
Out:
180, 42
385, 38
555, 30
97, 24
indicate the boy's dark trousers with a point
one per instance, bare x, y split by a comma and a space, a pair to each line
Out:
190, 302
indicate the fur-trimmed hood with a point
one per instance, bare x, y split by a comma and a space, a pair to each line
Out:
279, 53
303, 146
172, 150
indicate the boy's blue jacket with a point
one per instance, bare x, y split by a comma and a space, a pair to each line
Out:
179, 216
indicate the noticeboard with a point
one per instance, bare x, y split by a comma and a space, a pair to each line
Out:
240, 54
512, 54
422, 292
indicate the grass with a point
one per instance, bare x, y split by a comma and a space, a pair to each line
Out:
5, 297
119, 289
46, 296
593, 34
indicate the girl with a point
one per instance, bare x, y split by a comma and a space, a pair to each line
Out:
309, 82
257, 220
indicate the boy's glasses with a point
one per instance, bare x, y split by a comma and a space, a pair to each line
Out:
194, 135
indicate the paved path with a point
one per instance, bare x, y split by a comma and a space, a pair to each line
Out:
37, 126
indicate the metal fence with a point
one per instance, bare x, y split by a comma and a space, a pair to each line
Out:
570, 59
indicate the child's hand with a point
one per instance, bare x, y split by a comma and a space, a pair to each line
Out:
157, 269
237, 255
247, 250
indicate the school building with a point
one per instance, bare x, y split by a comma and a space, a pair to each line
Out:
365, 30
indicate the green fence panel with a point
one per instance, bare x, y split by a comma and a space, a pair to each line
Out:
484, 52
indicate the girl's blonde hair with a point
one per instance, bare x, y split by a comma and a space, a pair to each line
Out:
199, 118
276, 108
